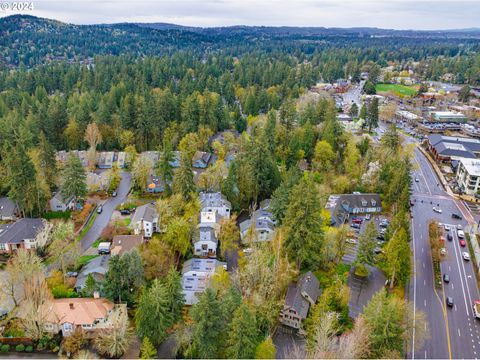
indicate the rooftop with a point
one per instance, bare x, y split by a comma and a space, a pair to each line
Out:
78, 311
20, 230
472, 166
124, 243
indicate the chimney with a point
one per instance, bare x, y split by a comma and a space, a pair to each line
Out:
71, 306
96, 295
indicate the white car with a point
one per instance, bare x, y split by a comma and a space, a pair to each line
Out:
443, 251
461, 234
351, 241
459, 227
437, 210
466, 256
447, 228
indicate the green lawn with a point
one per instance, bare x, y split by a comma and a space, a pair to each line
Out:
400, 90
82, 260
87, 227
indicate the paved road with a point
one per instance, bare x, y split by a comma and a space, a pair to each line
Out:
102, 220
454, 333
354, 94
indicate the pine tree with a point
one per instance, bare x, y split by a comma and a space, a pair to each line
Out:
266, 349
372, 114
303, 223
164, 167
47, 160
147, 350
243, 335
397, 258
183, 181
74, 179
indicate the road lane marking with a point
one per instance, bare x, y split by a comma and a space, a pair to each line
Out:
453, 287
424, 265
460, 272
455, 307
425, 303
459, 333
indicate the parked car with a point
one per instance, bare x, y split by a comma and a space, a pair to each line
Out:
368, 217
437, 210
462, 243
459, 227
355, 225
446, 278
447, 227
125, 212
456, 216
114, 194
377, 250
449, 237
72, 274
466, 256
461, 234
351, 241
3, 314
100, 209
357, 221
449, 301
417, 179
443, 251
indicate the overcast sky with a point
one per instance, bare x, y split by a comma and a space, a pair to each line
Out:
391, 14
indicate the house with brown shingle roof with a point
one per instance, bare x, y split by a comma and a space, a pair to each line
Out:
89, 314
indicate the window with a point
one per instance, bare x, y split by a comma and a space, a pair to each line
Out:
3, 246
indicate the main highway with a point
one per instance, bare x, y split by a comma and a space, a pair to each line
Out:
453, 331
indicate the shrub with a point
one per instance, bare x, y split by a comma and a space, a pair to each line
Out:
5, 348
20, 348
29, 348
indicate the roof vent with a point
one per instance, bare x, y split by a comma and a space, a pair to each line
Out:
71, 305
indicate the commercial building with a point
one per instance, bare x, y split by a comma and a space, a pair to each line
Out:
447, 148
468, 175
447, 116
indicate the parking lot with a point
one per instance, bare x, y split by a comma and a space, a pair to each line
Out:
363, 288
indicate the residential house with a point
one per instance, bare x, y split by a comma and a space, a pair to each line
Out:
205, 242
97, 267
259, 228
201, 160
300, 296
210, 201
196, 274
122, 159
62, 157
210, 219
22, 234
89, 314
155, 185
124, 243
145, 220
8, 209
60, 203
342, 206
447, 148
105, 159
97, 182
154, 156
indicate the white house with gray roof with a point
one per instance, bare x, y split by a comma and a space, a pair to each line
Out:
205, 242
196, 274
96, 267
210, 201
260, 227
145, 221
22, 234
300, 296
61, 203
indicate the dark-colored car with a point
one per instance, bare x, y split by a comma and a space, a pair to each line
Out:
357, 221
449, 301
3, 314
449, 237
446, 278
456, 216
125, 212
355, 225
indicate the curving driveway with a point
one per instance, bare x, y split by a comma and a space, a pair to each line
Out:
102, 220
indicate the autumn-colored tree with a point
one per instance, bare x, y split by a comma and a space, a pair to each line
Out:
93, 137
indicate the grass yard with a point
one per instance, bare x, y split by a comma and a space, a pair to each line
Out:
82, 260
397, 89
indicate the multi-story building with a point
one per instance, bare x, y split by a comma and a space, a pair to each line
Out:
468, 175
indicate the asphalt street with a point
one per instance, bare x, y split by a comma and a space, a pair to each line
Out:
454, 332
102, 220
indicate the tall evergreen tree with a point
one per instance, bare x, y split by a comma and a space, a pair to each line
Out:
183, 181
74, 179
243, 336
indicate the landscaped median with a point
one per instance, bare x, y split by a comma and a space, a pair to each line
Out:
435, 236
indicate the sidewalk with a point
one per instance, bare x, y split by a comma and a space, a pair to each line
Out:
437, 170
